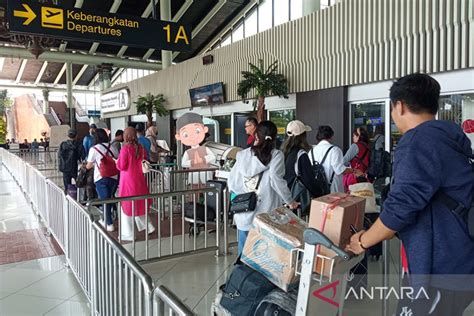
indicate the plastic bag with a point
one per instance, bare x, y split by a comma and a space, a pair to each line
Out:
365, 190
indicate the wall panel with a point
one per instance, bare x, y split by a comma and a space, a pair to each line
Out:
353, 42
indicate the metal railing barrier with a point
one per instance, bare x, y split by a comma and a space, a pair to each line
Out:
165, 300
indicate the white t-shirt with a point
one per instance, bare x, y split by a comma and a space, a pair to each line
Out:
334, 163
95, 158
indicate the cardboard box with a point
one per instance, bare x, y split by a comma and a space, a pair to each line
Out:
333, 214
268, 248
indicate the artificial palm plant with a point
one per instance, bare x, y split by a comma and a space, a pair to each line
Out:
149, 104
265, 82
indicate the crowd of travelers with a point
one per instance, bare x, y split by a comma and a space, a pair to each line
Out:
431, 167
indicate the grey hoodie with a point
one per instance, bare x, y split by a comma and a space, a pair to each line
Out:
273, 190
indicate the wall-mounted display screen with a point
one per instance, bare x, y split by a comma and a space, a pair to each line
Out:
207, 95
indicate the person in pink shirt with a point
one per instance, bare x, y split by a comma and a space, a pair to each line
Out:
133, 183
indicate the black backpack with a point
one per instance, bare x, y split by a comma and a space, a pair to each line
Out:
380, 165
244, 290
320, 174
68, 157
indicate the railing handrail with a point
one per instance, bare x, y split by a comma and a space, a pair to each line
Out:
127, 258
168, 297
193, 170
150, 196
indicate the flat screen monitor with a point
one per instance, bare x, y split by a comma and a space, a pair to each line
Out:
207, 95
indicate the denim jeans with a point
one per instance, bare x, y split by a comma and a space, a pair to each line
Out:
106, 188
67, 179
242, 236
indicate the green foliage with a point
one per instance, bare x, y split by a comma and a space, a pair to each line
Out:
149, 104
266, 82
3, 130
5, 102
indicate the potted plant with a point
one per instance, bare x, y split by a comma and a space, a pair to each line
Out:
266, 82
151, 103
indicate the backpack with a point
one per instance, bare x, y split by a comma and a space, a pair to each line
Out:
299, 192
107, 167
320, 174
244, 290
67, 157
380, 165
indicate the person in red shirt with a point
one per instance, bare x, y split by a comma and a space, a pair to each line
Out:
250, 127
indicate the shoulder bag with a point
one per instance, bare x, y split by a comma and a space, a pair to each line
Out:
245, 202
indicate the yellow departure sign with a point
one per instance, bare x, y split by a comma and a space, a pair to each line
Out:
71, 23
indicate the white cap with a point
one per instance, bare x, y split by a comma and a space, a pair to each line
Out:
295, 128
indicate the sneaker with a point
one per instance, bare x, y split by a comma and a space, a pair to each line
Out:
110, 228
101, 222
151, 228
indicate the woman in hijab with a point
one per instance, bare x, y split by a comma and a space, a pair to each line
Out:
151, 135
133, 183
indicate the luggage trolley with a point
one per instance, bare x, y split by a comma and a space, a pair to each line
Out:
319, 294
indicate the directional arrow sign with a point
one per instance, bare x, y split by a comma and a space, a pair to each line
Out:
70, 23
29, 15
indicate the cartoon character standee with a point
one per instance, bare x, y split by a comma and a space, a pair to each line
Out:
191, 131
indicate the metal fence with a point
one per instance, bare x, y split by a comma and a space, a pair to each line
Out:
110, 277
178, 218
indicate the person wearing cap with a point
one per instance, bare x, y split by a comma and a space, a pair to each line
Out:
299, 173
70, 154
88, 140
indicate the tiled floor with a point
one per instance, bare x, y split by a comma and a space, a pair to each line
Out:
46, 287
40, 287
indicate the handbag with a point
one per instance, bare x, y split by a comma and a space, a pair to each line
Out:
146, 166
365, 190
246, 202
107, 166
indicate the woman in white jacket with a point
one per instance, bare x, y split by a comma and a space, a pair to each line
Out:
264, 159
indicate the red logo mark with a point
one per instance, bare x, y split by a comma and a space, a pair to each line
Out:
332, 286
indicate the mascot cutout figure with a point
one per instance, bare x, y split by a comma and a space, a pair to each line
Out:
191, 131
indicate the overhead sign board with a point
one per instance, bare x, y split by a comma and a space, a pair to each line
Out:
115, 101
93, 113
28, 17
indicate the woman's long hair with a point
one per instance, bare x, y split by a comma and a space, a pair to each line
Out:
265, 133
130, 138
292, 142
100, 136
363, 134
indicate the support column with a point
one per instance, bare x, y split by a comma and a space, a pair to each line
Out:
45, 101
310, 6
105, 76
70, 104
165, 15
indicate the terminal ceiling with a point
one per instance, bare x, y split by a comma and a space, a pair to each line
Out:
205, 17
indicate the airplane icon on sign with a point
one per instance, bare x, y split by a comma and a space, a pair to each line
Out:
52, 18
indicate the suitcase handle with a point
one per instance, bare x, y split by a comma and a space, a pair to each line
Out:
315, 237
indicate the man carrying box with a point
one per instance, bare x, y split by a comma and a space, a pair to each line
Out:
432, 158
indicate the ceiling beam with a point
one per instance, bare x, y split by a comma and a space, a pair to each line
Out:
21, 70
78, 58
29, 86
40, 74
61, 73
205, 21
79, 74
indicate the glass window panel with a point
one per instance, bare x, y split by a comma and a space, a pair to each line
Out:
370, 116
281, 119
296, 9
238, 33
251, 23
457, 108
226, 41
225, 129
265, 15
282, 8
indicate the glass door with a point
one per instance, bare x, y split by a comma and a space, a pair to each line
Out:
370, 116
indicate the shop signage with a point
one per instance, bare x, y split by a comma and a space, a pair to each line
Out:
115, 101
93, 113
27, 17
